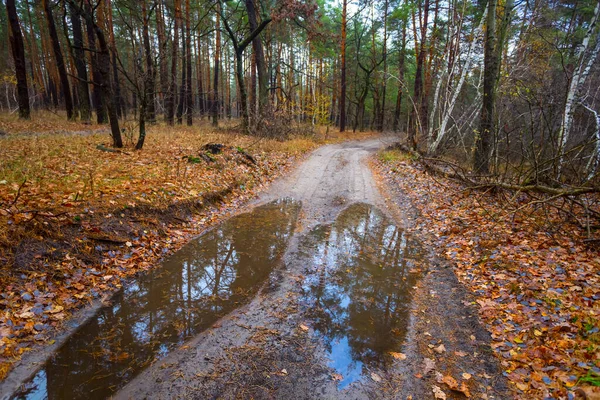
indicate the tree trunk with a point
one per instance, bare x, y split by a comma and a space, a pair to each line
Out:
117, 85
483, 139
261, 67
401, 58
149, 73
456, 91
171, 94
97, 97
381, 118
418, 109
162, 52
18, 52
58, 58
579, 75
79, 55
343, 71
215, 105
103, 68
188, 46
182, 91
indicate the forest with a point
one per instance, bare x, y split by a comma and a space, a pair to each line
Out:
508, 88
128, 127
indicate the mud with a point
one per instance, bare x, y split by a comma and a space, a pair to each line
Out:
356, 286
196, 286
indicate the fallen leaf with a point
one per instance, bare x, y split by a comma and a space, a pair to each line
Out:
522, 386
440, 349
55, 309
450, 381
304, 327
438, 393
460, 353
375, 377
464, 389
398, 356
466, 376
284, 371
588, 392
428, 365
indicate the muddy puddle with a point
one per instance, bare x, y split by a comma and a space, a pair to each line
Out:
205, 280
358, 288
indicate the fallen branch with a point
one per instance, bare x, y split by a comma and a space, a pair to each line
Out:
474, 182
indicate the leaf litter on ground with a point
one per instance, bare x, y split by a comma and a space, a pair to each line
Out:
537, 291
80, 220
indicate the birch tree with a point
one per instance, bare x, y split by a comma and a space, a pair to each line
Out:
585, 61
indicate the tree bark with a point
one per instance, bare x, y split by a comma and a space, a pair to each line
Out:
162, 52
343, 70
58, 58
419, 110
121, 110
18, 52
261, 66
381, 118
215, 102
239, 48
171, 94
103, 68
483, 139
79, 55
579, 75
189, 102
401, 69
149, 86
97, 96
182, 91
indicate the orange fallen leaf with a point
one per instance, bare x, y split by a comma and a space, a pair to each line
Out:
398, 356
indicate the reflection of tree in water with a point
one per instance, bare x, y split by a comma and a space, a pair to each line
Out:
361, 289
196, 286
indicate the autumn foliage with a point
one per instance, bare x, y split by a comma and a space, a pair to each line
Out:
534, 278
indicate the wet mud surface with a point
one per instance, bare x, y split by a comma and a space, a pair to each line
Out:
326, 325
202, 282
338, 298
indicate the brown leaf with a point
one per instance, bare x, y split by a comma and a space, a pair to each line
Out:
428, 365
398, 356
375, 377
588, 392
438, 393
440, 349
450, 381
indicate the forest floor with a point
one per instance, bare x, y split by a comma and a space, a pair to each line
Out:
473, 280
354, 312
529, 271
77, 221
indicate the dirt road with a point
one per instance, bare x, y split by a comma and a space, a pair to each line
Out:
356, 309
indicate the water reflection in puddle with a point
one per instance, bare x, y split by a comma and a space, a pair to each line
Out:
358, 289
203, 281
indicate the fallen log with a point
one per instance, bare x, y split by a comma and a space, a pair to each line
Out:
476, 182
